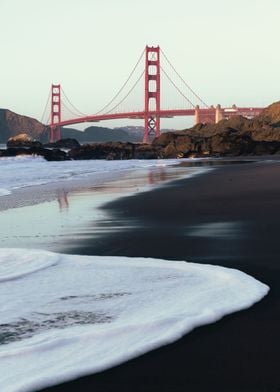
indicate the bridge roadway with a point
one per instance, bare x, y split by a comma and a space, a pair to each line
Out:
210, 115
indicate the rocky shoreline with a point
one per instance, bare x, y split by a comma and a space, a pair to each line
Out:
234, 137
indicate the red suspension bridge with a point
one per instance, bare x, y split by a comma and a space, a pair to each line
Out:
153, 110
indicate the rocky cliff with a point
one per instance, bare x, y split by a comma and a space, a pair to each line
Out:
236, 136
12, 124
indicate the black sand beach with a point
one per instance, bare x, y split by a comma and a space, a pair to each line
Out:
230, 217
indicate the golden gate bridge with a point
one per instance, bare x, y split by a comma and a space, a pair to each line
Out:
150, 81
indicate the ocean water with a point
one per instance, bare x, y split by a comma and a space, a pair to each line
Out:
26, 171
63, 316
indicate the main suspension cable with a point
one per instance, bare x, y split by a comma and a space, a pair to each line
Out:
123, 86
63, 106
124, 98
177, 88
197, 96
81, 114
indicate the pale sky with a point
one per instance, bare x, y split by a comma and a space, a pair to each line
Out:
227, 51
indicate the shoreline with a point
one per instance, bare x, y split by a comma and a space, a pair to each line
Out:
45, 191
54, 216
229, 217
141, 178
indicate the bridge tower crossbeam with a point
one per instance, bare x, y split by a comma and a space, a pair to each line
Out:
152, 92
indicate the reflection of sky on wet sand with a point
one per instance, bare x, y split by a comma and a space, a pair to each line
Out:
221, 230
50, 224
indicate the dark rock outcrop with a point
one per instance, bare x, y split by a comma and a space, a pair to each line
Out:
233, 137
114, 150
108, 151
64, 143
145, 151
48, 154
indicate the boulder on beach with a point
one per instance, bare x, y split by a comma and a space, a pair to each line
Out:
22, 140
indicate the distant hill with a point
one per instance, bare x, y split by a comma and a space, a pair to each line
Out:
136, 133
101, 134
139, 130
12, 124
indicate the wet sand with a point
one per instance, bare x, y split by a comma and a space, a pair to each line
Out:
231, 217
61, 215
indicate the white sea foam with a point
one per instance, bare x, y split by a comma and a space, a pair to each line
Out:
66, 316
24, 171
4, 192
17, 264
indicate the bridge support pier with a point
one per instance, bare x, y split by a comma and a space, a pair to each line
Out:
218, 114
55, 113
152, 93
54, 134
196, 115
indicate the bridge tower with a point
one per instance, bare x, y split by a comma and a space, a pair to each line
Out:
55, 112
152, 92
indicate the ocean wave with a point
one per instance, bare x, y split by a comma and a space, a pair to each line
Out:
17, 263
88, 313
4, 192
26, 171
